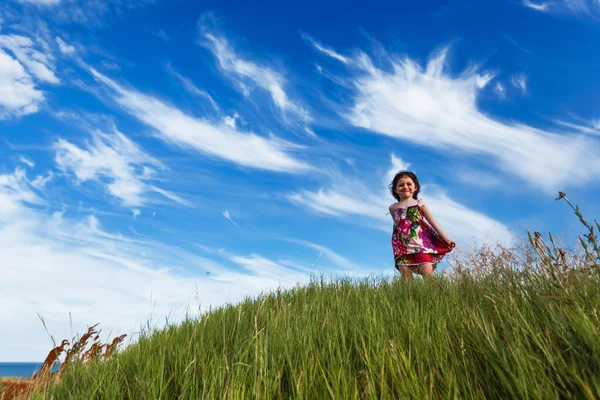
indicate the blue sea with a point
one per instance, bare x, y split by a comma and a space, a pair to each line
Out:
19, 369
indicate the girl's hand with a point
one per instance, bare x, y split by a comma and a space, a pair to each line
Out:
427, 214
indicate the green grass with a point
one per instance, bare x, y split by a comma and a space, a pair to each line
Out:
492, 337
508, 323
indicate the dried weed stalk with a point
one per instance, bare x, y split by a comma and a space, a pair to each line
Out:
84, 349
543, 260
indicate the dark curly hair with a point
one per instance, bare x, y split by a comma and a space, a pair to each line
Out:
401, 174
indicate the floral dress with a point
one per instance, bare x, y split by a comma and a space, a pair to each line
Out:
414, 241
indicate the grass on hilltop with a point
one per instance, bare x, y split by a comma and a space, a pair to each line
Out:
508, 323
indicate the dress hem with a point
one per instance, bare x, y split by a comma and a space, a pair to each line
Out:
423, 262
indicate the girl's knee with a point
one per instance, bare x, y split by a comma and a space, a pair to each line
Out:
405, 272
426, 269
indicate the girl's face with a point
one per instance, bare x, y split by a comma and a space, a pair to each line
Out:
405, 188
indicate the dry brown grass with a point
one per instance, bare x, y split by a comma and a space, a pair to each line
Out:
84, 349
548, 258
14, 388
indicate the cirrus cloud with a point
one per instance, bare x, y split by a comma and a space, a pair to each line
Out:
222, 140
433, 108
116, 162
22, 68
585, 8
247, 73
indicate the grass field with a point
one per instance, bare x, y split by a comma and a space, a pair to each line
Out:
465, 338
517, 324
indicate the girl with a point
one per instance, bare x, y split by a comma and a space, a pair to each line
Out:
418, 246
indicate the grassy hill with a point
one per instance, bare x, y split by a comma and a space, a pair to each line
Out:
514, 323
448, 338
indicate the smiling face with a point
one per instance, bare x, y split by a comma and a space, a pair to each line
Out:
405, 185
405, 188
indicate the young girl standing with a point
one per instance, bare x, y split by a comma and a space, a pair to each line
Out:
418, 245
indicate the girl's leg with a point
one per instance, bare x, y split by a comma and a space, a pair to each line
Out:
406, 273
426, 269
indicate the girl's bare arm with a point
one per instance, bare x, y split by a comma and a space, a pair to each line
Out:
435, 225
392, 212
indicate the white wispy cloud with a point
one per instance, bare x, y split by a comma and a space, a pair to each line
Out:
520, 82
398, 164
213, 139
500, 90
581, 6
114, 161
38, 63
255, 264
324, 49
227, 216
162, 35
15, 189
22, 68
27, 161
589, 8
536, 6
40, 181
64, 47
343, 264
40, 2
350, 198
20, 95
340, 81
591, 127
310, 132
247, 73
433, 108
91, 13
191, 87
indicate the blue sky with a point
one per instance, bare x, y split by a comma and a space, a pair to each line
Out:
164, 157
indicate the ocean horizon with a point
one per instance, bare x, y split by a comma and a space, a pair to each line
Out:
19, 369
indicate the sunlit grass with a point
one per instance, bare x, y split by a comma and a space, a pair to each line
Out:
463, 338
507, 323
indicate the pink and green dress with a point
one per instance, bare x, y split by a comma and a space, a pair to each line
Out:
414, 241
